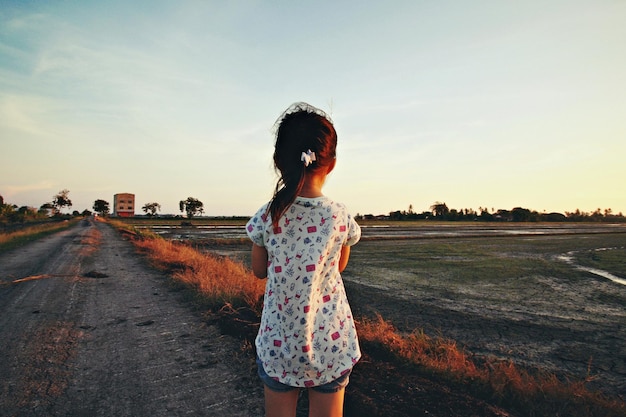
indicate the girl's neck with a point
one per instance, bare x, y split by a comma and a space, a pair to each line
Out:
312, 186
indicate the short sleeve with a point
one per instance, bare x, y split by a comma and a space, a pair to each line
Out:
256, 226
354, 232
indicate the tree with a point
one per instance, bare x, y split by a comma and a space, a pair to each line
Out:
61, 200
46, 209
5, 209
101, 206
484, 214
519, 214
7, 212
192, 206
439, 209
151, 208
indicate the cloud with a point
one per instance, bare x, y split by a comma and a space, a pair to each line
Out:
26, 22
24, 113
14, 190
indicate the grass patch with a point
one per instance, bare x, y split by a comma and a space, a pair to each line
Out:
21, 237
611, 259
196, 221
465, 261
221, 281
503, 383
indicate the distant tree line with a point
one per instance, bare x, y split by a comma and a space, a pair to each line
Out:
13, 217
191, 206
440, 211
12, 214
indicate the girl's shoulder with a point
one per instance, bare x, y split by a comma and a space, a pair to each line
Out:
338, 208
262, 215
319, 202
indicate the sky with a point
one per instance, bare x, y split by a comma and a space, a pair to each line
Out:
475, 104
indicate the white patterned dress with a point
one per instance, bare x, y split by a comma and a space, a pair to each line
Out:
307, 336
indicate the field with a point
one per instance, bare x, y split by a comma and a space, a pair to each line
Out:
520, 292
510, 297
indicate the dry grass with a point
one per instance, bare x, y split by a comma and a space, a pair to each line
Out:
437, 354
227, 283
528, 393
14, 239
220, 280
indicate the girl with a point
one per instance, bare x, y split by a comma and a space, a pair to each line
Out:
302, 240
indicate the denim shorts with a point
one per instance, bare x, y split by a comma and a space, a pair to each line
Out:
329, 388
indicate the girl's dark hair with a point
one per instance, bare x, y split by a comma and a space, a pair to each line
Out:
299, 129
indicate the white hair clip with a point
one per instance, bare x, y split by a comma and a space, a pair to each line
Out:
307, 157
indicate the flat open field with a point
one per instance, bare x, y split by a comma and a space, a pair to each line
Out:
551, 296
514, 297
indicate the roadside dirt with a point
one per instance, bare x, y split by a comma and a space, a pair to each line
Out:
88, 329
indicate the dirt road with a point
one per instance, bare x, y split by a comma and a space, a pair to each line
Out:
87, 330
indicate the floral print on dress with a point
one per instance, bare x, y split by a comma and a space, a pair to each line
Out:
307, 335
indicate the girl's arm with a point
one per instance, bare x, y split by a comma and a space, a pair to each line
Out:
343, 258
259, 261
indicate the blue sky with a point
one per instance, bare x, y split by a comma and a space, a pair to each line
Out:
476, 104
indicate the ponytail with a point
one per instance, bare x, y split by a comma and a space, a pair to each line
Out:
301, 128
284, 196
